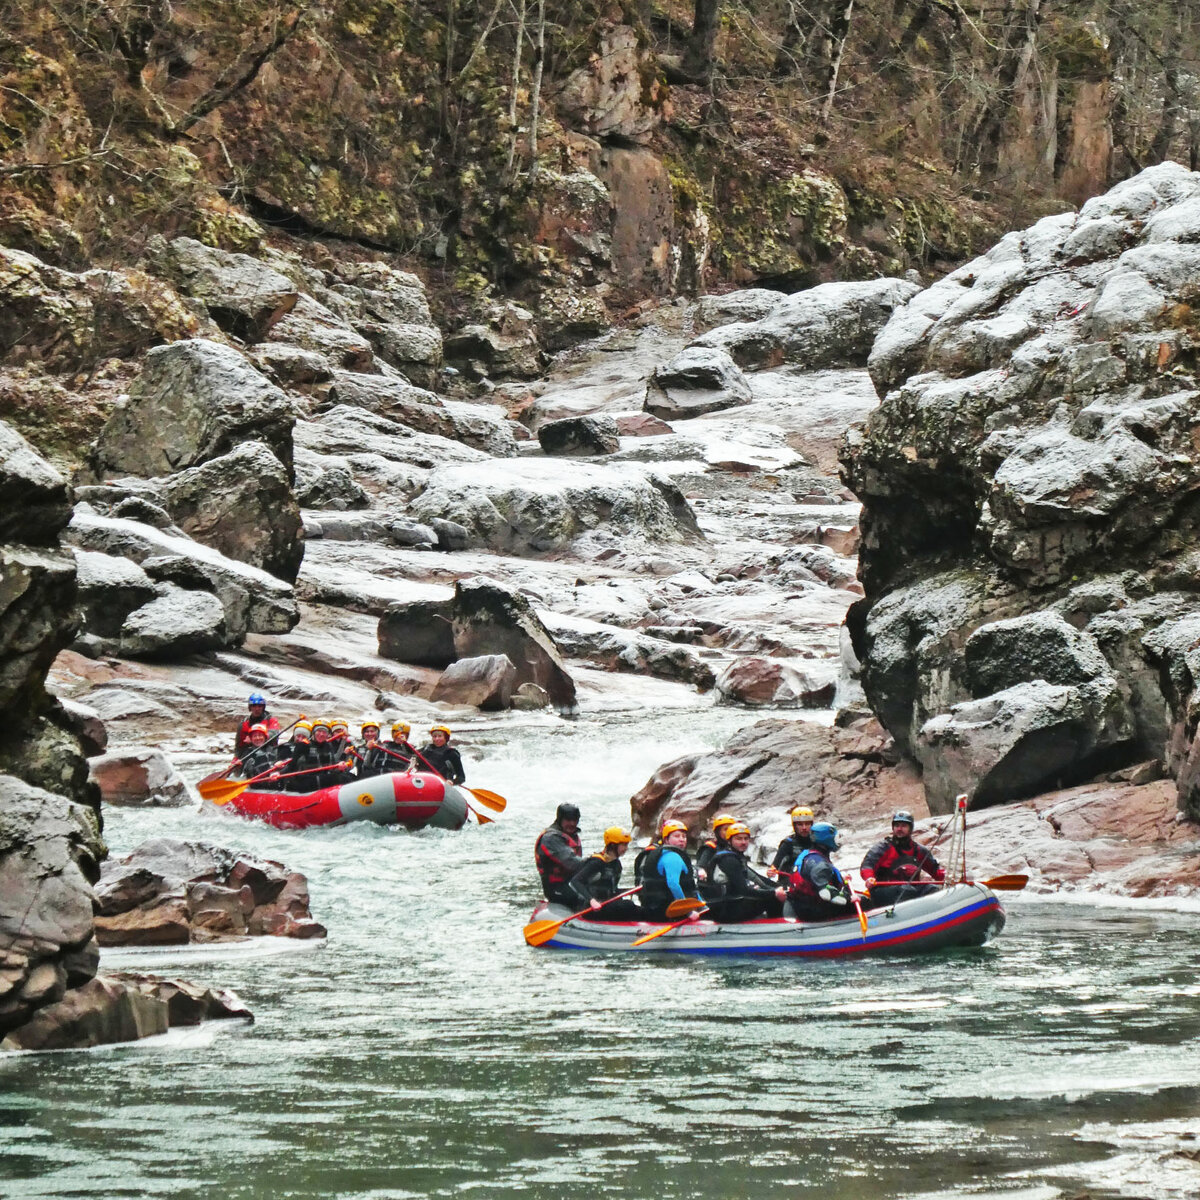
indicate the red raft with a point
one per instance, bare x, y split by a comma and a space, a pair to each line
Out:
412, 799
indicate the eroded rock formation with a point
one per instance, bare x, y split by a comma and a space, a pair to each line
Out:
1030, 511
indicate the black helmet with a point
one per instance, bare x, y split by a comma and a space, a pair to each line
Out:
566, 812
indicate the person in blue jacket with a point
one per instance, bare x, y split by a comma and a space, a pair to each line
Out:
817, 891
667, 872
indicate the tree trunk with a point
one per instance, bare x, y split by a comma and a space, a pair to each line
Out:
539, 61
514, 86
786, 57
698, 56
1016, 55
838, 33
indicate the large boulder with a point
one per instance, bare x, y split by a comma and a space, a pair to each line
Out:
629, 652
483, 618
194, 400
109, 589
35, 502
123, 1007
253, 600
314, 327
484, 427
829, 325
503, 346
175, 624
543, 505
1022, 740
390, 309
759, 682
65, 322
575, 436
1033, 461
49, 853
138, 775
244, 296
243, 505
487, 682
172, 892
698, 380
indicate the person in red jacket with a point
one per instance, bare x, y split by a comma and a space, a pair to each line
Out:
890, 866
257, 704
558, 854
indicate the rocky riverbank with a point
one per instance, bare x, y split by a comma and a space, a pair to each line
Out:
281, 490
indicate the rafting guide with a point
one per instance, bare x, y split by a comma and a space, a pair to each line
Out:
321, 776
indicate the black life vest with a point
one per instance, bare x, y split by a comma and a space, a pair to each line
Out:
655, 893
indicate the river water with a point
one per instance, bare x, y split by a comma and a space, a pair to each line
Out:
425, 1050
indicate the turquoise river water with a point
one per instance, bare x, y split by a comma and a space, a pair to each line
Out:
425, 1050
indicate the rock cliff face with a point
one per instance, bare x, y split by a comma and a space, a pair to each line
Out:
1030, 504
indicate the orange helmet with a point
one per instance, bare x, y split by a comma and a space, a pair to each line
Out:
670, 827
721, 820
738, 827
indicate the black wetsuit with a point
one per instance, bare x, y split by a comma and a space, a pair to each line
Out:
444, 760
742, 897
599, 878
789, 850
257, 761
374, 760
404, 753
709, 849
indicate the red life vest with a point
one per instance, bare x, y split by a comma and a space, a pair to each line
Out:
549, 868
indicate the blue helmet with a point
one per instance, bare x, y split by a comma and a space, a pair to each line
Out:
824, 835
257, 698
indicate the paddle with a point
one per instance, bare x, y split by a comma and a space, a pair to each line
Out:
538, 933
1005, 883
490, 800
862, 916
667, 928
220, 775
233, 788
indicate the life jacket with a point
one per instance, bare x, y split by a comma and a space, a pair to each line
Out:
801, 886
607, 880
791, 846
243, 733
552, 872
897, 863
655, 893
639, 863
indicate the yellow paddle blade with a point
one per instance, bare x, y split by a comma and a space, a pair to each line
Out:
681, 908
221, 791
651, 936
1006, 883
538, 933
488, 799
480, 819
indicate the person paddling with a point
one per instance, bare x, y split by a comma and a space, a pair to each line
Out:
799, 839
599, 879
742, 896
817, 891
328, 754
890, 866
260, 758
667, 873
558, 853
373, 759
257, 706
400, 746
441, 756
297, 756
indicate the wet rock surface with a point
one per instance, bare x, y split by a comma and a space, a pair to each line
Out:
169, 892
1030, 468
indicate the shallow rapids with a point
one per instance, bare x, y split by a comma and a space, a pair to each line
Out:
424, 1050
